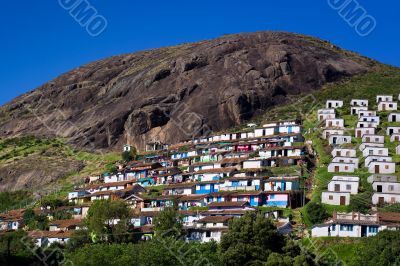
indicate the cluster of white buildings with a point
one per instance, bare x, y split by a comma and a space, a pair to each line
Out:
371, 155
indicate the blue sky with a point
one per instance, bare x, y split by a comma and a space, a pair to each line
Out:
40, 40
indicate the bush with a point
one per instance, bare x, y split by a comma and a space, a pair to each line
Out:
316, 212
361, 202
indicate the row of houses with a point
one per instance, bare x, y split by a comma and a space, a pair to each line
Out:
210, 180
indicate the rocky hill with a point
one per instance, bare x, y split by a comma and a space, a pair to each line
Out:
173, 93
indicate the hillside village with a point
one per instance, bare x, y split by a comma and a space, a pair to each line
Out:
268, 169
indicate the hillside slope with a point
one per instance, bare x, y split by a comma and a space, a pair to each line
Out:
173, 93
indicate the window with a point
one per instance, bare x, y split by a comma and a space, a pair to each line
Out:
208, 234
348, 187
333, 227
330, 197
346, 168
380, 152
346, 227
386, 166
391, 188
373, 229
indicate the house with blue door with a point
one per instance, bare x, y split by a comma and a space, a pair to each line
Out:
220, 196
356, 224
206, 187
242, 182
254, 198
282, 183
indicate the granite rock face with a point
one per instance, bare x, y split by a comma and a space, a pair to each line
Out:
175, 93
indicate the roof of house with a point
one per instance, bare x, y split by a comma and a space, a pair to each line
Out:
228, 204
66, 223
181, 185
216, 170
12, 215
192, 197
232, 160
50, 234
389, 217
215, 219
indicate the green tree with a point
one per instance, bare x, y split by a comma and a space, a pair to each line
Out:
14, 249
361, 202
109, 221
105, 254
316, 212
168, 223
129, 155
251, 239
382, 249
35, 221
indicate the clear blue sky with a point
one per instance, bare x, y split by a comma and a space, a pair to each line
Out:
40, 40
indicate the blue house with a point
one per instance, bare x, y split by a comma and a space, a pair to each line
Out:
207, 187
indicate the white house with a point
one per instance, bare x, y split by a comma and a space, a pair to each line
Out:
382, 167
355, 109
384, 98
354, 225
334, 123
327, 132
392, 130
387, 106
261, 132
394, 117
366, 113
334, 104
372, 119
368, 144
254, 164
339, 139
344, 184
385, 198
386, 186
371, 138
335, 198
353, 160
359, 102
379, 151
339, 152
326, 114
361, 131
373, 158
363, 124
341, 167
394, 137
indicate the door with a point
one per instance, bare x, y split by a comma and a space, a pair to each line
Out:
384, 107
336, 168
321, 117
338, 153
377, 169
337, 187
342, 200
379, 188
368, 139
330, 124
394, 118
359, 134
363, 230
381, 200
